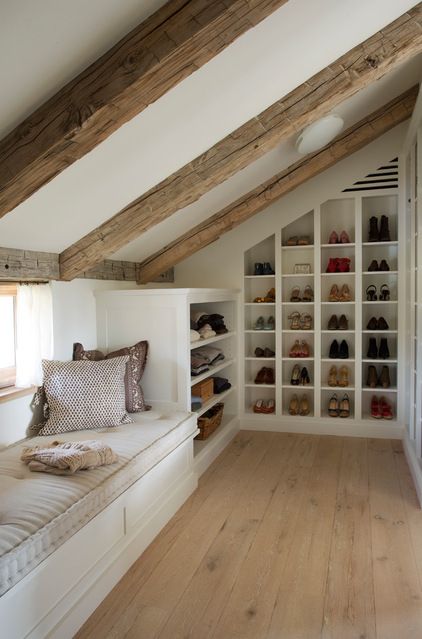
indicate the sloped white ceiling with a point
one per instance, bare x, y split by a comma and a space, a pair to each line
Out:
260, 67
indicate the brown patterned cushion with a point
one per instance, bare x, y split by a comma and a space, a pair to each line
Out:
84, 394
138, 353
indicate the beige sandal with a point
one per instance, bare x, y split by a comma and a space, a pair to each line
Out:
304, 406
308, 294
334, 295
295, 295
345, 295
306, 322
294, 318
294, 405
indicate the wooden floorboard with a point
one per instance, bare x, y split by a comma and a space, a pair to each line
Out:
287, 537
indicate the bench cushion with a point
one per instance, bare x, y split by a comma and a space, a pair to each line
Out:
39, 512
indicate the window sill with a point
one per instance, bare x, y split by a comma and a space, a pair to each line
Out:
12, 392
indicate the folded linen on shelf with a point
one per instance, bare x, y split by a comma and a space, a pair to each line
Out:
221, 384
208, 354
216, 321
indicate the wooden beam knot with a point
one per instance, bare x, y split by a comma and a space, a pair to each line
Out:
372, 61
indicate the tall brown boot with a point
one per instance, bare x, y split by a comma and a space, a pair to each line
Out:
372, 378
384, 379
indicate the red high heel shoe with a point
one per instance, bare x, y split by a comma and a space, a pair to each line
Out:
332, 266
343, 264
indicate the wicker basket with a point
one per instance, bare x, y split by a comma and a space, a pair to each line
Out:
210, 421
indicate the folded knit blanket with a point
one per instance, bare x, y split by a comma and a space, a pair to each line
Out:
65, 458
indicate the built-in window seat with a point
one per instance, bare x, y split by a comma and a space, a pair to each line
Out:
66, 540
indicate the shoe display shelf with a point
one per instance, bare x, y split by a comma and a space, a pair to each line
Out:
327, 250
163, 317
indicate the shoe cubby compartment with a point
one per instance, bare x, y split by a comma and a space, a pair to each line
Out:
302, 227
292, 281
302, 309
252, 394
288, 368
258, 287
332, 252
392, 369
327, 339
327, 394
300, 392
325, 370
378, 279
384, 251
252, 368
339, 279
259, 339
391, 343
261, 253
327, 310
337, 215
254, 311
391, 398
290, 339
377, 310
377, 206
298, 260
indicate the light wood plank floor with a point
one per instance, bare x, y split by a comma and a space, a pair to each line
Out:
287, 537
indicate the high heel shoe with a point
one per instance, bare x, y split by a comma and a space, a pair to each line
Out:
344, 408
343, 379
294, 405
304, 349
334, 294
295, 294
344, 238
306, 322
294, 318
345, 294
308, 294
384, 293
295, 350
371, 293
332, 376
304, 377
295, 376
333, 407
332, 266
304, 406
333, 239
343, 264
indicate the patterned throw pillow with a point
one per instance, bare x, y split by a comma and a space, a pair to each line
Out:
84, 395
138, 353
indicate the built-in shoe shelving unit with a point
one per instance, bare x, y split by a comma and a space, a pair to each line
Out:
302, 255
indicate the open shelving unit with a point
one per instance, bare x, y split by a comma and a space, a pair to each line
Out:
349, 212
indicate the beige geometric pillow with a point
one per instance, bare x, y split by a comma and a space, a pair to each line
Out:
138, 353
84, 395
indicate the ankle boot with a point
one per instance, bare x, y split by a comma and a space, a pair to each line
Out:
384, 235
372, 379
372, 348
334, 353
373, 229
384, 378
384, 352
343, 350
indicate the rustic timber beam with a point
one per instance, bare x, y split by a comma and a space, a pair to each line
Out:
356, 137
352, 72
19, 266
171, 44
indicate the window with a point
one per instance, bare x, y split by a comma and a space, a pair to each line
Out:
7, 335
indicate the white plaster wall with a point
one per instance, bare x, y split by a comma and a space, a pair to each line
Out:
221, 264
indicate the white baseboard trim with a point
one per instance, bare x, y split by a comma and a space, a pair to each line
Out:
414, 464
381, 429
206, 452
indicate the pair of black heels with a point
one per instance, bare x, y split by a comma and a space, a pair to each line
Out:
372, 296
300, 377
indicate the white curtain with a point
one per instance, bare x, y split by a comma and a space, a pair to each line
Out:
34, 332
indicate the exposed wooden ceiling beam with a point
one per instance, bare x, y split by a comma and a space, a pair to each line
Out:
356, 69
166, 48
356, 137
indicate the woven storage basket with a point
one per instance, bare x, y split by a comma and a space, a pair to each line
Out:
210, 421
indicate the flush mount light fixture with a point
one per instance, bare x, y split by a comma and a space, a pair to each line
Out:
319, 133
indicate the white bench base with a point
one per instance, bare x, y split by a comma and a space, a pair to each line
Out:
58, 596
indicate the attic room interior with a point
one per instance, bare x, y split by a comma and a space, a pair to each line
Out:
211, 319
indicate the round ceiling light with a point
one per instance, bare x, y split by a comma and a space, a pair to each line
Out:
319, 133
